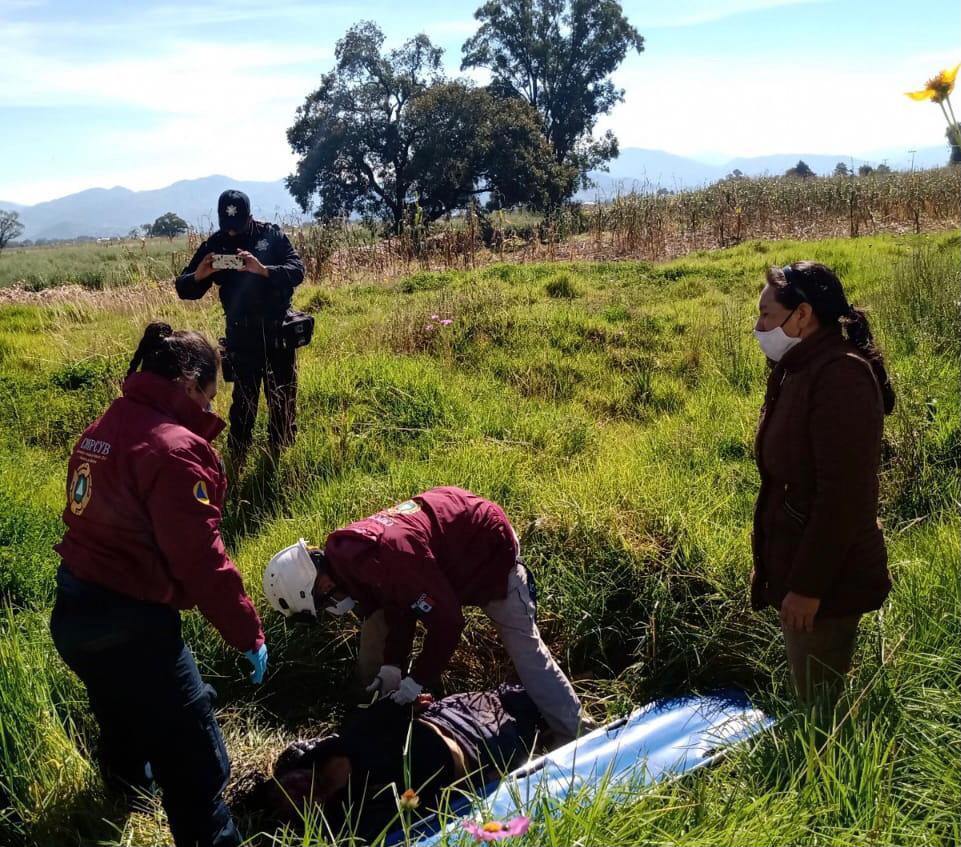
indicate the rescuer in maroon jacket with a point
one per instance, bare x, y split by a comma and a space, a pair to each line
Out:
144, 495
425, 559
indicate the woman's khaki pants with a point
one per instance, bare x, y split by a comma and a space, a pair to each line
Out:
820, 659
514, 619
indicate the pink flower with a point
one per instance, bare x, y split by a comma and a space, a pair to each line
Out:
429, 327
446, 322
497, 831
435, 317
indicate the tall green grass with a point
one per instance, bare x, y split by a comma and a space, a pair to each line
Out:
93, 265
610, 408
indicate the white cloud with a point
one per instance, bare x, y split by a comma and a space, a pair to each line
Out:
756, 109
465, 28
681, 13
184, 77
210, 107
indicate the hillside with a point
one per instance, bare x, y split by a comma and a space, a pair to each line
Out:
610, 407
102, 212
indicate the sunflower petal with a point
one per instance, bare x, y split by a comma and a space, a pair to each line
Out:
927, 94
949, 76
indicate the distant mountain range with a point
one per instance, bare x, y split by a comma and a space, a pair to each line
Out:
647, 170
105, 212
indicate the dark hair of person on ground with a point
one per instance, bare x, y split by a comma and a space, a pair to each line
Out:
180, 355
819, 286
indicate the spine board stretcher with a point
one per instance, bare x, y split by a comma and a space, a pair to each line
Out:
657, 742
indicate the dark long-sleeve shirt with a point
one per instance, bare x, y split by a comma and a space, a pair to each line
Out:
247, 296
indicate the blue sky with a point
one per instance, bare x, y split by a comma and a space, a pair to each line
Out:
142, 94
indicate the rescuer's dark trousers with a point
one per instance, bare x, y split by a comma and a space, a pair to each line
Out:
156, 718
259, 360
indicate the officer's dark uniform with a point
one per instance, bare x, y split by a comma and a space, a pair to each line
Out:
254, 308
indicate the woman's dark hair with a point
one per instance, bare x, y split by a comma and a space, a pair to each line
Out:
175, 355
819, 286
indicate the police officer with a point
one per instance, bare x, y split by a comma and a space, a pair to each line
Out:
144, 493
424, 560
255, 301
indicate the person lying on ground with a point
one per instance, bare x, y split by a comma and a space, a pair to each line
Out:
356, 775
424, 560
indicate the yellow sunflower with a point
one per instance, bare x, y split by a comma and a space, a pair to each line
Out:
938, 87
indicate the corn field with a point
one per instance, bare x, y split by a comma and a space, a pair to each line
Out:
652, 226
646, 226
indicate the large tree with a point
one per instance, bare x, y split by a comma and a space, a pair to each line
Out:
10, 228
169, 225
558, 55
466, 142
386, 134
802, 170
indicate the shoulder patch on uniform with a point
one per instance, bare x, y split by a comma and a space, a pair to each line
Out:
200, 492
423, 604
81, 488
408, 507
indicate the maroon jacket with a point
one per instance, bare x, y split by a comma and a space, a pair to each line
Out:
425, 558
818, 450
144, 494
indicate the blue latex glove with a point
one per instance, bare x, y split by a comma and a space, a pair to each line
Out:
258, 660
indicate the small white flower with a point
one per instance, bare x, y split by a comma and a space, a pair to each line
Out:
261, 245
231, 211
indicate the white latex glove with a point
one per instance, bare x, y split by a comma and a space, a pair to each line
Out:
408, 691
387, 680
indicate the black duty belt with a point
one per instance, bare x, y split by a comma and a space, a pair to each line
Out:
255, 323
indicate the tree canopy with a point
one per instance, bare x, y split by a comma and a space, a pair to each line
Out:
801, 170
386, 134
558, 55
10, 228
168, 225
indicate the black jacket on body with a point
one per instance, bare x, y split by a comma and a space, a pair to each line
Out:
247, 297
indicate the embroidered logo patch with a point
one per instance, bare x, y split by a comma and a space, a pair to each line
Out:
261, 246
81, 487
408, 507
382, 519
423, 604
200, 492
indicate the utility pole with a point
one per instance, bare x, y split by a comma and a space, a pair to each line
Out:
912, 152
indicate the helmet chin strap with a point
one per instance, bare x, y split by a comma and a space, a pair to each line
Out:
338, 607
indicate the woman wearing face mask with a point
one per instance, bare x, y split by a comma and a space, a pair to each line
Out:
144, 494
819, 555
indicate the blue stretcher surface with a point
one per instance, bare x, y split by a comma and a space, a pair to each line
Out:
659, 741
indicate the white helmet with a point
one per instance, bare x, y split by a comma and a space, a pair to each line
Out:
289, 580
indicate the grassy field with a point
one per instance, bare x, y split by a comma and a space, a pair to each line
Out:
610, 407
91, 264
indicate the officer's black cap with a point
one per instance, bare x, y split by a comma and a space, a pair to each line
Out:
233, 210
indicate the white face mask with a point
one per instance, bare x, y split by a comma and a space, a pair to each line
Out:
341, 607
776, 342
